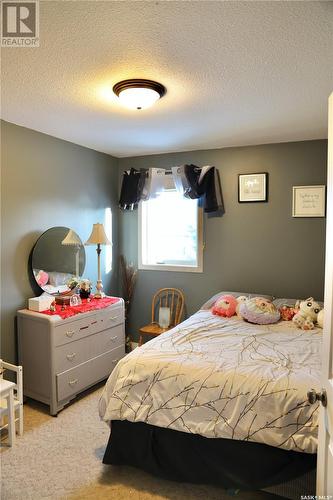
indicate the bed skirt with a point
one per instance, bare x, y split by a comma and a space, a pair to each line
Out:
192, 458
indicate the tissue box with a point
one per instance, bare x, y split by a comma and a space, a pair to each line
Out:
40, 303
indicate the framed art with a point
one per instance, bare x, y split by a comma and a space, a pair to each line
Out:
252, 187
309, 201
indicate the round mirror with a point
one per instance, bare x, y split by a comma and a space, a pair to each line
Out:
57, 256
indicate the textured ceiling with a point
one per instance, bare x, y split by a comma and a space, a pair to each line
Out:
236, 73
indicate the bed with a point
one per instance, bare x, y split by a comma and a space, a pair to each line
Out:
217, 400
52, 282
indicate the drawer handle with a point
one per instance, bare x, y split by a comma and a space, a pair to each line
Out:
84, 327
70, 333
114, 317
73, 382
70, 357
94, 322
114, 338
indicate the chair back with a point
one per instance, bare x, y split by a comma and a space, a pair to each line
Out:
171, 298
18, 389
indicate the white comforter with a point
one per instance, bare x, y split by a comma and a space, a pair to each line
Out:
222, 378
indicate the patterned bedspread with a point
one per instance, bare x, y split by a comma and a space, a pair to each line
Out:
222, 378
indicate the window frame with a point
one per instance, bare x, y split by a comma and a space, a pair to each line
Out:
168, 267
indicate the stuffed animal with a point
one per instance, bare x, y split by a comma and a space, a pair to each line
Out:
240, 300
320, 318
225, 306
53, 306
307, 314
259, 311
42, 278
288, 312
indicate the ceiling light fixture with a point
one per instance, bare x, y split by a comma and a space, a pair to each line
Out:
138, 94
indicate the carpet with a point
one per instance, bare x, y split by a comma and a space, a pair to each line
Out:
61, 458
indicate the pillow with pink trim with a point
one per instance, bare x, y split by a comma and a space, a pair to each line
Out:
259, 311
42, 278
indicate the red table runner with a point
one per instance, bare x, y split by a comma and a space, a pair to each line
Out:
86, 306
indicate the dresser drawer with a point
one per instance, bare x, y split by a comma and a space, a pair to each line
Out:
109, 317
75, 380
77, 329
107, 340
73, 353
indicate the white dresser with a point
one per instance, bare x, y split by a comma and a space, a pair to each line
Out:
62, 357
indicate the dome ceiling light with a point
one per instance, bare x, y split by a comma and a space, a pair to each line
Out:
138, 94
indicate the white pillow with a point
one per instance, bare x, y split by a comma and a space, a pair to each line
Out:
57, 279
278, 302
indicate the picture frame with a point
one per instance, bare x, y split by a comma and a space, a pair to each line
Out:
253, 188
309, 201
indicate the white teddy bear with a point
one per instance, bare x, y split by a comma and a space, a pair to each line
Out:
306, 317
240, 300
320, 318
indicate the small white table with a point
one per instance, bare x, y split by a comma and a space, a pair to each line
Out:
7, 392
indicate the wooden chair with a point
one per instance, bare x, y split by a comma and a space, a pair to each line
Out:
166, 297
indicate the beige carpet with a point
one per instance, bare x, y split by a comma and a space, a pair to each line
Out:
61, 458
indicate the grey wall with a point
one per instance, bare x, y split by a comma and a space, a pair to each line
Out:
48, 182
255, 247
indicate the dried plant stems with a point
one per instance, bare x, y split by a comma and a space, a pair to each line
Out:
128, 277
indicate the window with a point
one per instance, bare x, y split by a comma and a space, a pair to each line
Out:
170, 233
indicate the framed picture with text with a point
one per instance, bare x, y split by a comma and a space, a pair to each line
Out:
309, 201
252, 187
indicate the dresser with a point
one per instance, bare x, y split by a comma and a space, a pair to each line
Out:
62, 357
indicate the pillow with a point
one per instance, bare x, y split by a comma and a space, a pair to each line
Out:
209, 304
279, 302
57, 279
42, 278
260, 311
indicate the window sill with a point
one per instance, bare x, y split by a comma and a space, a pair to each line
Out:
177, 269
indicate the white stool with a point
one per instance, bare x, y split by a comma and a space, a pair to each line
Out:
7, 392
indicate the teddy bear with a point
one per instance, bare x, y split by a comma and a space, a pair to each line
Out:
320, 318
240, 300
288, 312
307, 314
225, 306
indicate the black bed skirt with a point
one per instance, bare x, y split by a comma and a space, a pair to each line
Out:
192, 458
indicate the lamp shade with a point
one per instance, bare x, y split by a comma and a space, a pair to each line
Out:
98, 236
136, 98
71, 239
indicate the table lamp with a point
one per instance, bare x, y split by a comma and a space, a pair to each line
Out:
98, 237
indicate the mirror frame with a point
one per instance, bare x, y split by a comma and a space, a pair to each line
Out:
35, 285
